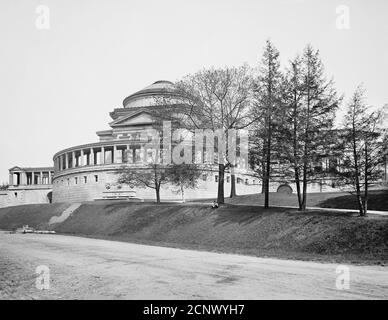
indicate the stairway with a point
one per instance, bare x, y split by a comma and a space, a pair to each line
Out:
65, 214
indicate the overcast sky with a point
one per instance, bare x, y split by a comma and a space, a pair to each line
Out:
58, 85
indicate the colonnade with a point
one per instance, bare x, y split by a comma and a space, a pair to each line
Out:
98, 155
30, 177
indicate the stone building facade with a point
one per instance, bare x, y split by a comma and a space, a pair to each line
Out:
89, 172
28, 186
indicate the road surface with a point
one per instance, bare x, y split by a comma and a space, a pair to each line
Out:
83, 268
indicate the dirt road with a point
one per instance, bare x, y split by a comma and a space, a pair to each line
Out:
82, 268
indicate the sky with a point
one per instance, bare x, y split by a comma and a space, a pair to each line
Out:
59, 81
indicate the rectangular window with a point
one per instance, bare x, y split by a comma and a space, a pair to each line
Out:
204, 177
108, 156
137, 155
151, 156
76, 180
96, 178
227, 179
216, 178
85, 179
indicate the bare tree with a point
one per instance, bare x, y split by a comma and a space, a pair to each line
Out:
292, 113
4, 186
183, 176
363, 149
309, 106
267, 102
213, 99
152, 176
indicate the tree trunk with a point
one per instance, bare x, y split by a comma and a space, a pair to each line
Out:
305, 155
183, 193
297, 183
366, 191
221, 175
357, 171
263, 168
295, 147
232, 183
268, 165
304, 201
157, 190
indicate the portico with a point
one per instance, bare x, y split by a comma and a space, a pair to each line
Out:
19, 176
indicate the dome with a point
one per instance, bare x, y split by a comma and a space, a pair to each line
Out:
146, 96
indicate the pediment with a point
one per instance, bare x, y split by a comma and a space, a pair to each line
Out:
16, 168
139, 118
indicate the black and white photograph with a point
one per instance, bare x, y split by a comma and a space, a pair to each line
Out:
193, 155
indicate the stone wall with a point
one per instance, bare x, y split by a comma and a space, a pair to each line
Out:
65, 188
24, 195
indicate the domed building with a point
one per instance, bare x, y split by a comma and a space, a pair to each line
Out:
89, 172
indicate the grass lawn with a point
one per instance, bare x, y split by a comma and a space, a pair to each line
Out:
35, 215
276, 232
378, 200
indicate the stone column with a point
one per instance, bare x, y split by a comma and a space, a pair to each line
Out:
91, 158
67, 161
49, 178
81, 163
32, 178
128, 155
41, 177
102, 159
114, 154
74, 162
11, 179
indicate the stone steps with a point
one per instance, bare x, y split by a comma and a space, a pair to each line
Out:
65, 214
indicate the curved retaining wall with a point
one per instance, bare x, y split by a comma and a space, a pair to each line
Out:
24, 195
83, 173
71, 185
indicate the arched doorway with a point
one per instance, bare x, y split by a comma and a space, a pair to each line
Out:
50, 197
285, 189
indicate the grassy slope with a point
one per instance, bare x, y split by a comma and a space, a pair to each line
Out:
378, 200
250, 230
35, 215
